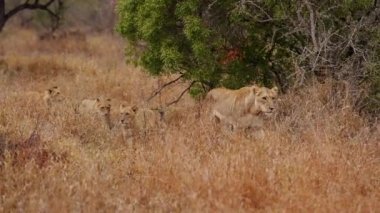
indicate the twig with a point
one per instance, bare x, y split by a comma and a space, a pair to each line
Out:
180, 96
211, 4
312, 25
269, 18
163, 87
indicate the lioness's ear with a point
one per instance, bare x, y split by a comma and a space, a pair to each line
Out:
135, 108
255, 89
275, 89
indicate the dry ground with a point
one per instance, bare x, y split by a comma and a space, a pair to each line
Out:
318, 155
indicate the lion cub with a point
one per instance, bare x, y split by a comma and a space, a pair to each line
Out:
52, 95
49, 97
133, 118
99, 106
127, 121
243, 108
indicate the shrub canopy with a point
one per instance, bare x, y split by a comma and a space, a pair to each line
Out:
232, 43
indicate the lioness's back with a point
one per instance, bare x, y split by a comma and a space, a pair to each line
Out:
147, 118
87, 106
241, 107
218, 94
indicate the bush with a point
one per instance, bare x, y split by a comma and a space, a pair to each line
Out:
233, 43
214, 44
372, 102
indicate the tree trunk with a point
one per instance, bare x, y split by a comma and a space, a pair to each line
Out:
2, 14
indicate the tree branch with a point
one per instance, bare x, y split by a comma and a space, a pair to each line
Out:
163, 87
180, 96
31, 6
312, 25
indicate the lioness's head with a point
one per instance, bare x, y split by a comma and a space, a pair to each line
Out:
104, 106
127, 113
265, 100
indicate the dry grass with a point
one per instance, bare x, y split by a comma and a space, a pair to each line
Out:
317, 155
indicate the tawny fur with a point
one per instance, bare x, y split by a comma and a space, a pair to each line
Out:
127, 121
99, 106
136, 120
242, 108
173, 115
49, 97
52, 96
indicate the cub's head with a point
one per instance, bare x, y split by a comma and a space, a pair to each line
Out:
265, 100
53, 94
127, 113
104, 106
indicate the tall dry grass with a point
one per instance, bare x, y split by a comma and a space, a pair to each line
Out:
317, 154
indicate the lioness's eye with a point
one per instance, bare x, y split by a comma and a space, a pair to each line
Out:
265, 98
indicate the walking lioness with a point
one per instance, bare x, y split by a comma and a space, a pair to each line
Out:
242, 108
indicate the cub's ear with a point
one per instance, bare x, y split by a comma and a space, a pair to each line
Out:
50, 91
121, 107
108, 100
275, 90
98, 100
255, 89
135, 108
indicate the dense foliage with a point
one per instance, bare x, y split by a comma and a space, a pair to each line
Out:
235, 42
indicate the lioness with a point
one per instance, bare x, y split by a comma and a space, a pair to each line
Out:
99, 106
140, 119
173, 115
242, 108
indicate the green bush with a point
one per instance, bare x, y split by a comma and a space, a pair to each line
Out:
198, 40
372, 102
232, 43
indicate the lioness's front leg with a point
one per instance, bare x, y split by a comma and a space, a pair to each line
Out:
217, 119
